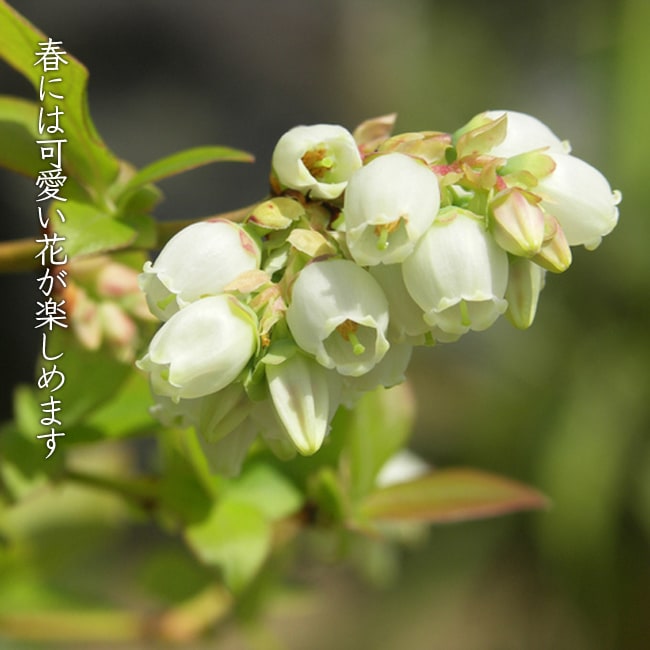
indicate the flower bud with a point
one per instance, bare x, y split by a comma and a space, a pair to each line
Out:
389, 204
517, 222
305, 396
555, 254
581, 199
525, 281
316, 160
198, 261
458, 274
339, 314
202, 348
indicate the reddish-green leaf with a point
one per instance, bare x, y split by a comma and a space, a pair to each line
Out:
449, 495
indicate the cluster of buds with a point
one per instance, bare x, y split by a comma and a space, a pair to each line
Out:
105, 306
369, 245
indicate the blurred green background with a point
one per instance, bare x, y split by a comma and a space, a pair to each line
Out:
563, 406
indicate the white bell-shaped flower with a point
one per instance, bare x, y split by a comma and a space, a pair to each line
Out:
305, 396
316, 160
581, 199
202, 348
339, 313
198, 261
525, 133
458, 274
389, 204
407, 324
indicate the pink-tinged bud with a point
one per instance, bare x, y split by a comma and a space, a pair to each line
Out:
555, 254
525, 281
517, 222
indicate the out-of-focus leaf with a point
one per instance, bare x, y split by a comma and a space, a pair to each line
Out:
19, 445
18, 133
127, 412
236, 537
86, 158
375, 429
449, 495
184, 493
92, 377
180, 162
267, 489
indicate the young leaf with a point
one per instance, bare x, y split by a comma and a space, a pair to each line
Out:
375, 429
92, 377
449, 495
236, 537
266, 488
18, 134
86, 157
180, 162
90, 230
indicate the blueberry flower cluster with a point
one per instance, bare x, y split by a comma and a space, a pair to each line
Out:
369, 245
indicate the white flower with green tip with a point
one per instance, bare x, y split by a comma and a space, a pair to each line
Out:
339, 313
388, 206
198, 261
581, 199
202, 348
316, 160
458, 274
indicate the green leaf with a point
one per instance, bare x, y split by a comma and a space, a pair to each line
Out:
90, 230
127, 412
449, 495
236, 537
18, 134
266, 488
375, 429
180, 162
86, 158
92, 377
